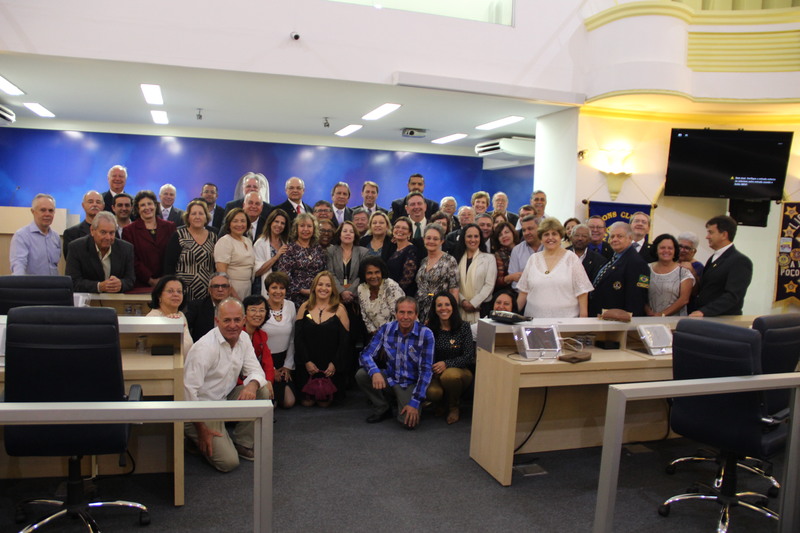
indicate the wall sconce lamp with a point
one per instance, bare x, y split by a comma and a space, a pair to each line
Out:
615, 166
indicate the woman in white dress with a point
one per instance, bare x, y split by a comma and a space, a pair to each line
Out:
233, 253
280, 337
554, 283
477, 273
670, 283
167, 300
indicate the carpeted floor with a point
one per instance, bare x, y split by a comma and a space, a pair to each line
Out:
333, 472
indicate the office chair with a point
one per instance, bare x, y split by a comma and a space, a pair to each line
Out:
62, 354
730, 422
16, 291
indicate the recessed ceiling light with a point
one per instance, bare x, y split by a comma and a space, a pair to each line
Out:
159, 117
347, 130
9, 88
39, 109
152, 94
381, 111
449, 138
499, 123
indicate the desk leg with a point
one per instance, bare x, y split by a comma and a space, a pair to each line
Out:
494, 417
177, 462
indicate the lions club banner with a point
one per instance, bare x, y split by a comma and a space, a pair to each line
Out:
786, 289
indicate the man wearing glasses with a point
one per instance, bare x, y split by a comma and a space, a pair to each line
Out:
200, 313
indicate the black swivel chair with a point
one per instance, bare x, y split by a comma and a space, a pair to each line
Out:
62, 354
16, 291
733, 423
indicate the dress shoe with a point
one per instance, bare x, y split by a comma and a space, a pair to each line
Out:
245, 453
374, 419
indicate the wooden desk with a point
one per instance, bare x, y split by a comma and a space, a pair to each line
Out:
125, 304
510, 394
151, 445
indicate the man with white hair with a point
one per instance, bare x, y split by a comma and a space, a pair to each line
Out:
92, 204
100, 262
500, 205
687, 246
294, 205
36, 248
166, 205
251, 181
117, 178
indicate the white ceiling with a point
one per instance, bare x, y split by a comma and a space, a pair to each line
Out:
82, 90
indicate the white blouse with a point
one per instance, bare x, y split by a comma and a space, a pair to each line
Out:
554, 293
280, 335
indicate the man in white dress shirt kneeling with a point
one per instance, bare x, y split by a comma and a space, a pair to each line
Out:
213, 366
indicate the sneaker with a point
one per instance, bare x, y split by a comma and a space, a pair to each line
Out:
245, 453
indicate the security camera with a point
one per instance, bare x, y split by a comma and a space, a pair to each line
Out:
295, 36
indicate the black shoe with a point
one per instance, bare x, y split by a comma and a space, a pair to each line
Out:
374, 419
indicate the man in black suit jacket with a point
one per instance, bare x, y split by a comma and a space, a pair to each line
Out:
166, 208
254, 210
369, 195
340, 195
295, 188
592, 261
200, 313
209, 194
623, 282
416, 183
251, 181
117, 178
500, 205
640, 228
727, 273
597, 233
92, 204
84, 263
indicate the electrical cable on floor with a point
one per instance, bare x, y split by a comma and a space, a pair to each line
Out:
535, 425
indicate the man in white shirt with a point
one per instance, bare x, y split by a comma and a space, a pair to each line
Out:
213, 365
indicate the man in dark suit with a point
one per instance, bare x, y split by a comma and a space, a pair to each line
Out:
117, 178
166, 208
200, 313
621, 283
340, 195
122, 208
209, 194
727, 273
500, 205
92, 204
251, 181
294, 204
416, 183
592, 261
254, 209
100, 262
369, 195
640, 228
597, 234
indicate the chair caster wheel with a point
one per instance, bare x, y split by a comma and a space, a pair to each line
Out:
144, 518
663, 510
773, 492
670, 469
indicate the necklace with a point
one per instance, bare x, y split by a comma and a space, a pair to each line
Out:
277, 314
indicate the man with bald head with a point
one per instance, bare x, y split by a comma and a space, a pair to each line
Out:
117, 179
166, 205
294, 205
213, 366
36, 248
622, 283
92, 204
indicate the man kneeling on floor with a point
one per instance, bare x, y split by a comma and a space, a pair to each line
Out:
212, 368
407, 346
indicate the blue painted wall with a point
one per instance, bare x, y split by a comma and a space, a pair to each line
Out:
68, 163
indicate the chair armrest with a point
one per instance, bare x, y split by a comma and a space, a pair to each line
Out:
135, 394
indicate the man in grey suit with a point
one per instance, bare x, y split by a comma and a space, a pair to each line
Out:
100, 262
166, 208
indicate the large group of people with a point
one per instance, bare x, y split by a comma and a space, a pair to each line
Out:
330, 295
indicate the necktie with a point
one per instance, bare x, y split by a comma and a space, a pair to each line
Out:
339, 216
418, 231
298, 209
604, 269
165, 214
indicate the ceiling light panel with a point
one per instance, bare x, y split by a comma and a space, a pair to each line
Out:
347, 130
39, 109
152, 94
9, 88
159, 117
381, 111
499, 123
449, 138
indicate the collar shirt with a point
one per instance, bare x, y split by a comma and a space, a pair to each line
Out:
339, 215
719, 252
298, 208
212, 367
105, 261
409, 358
370, 210
519, 258
35, 253
639, 244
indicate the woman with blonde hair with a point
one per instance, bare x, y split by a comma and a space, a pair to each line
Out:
304, 257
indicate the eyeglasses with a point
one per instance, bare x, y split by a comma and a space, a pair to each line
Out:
684, 247
256, 310
221, 286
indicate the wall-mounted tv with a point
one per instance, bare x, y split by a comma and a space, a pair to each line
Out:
738, 164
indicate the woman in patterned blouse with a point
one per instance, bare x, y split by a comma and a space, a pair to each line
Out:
437, 272
190, 251
304, 257
453, 356
377, 294
504, 238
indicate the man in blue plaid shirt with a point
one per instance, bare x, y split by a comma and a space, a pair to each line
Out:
408, 348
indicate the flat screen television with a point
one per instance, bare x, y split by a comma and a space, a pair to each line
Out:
745, 165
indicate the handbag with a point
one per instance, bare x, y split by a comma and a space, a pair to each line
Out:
320, 388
